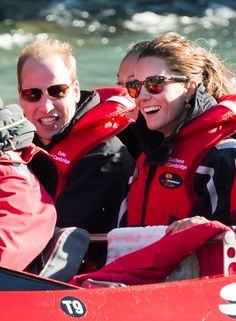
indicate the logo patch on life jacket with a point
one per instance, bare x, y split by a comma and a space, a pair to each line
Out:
170, 180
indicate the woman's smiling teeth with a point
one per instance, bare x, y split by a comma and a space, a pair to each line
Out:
48, 121
151, 109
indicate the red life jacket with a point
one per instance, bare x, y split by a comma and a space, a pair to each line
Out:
171, 192
99, 124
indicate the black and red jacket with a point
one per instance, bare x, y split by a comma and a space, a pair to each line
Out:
94, 162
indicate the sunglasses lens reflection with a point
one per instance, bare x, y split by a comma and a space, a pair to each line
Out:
31, 94
133, 92
154, 86
134, 88
58, 91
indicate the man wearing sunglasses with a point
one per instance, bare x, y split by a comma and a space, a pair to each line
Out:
78, 129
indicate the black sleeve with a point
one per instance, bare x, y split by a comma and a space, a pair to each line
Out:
92, 197
130, 140
214, 181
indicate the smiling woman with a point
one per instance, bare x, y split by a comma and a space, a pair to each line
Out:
181, 102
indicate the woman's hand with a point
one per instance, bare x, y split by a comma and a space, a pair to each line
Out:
185, 223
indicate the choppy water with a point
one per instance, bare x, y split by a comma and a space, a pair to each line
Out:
100, 31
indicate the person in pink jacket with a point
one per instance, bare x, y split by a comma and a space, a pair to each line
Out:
27, 212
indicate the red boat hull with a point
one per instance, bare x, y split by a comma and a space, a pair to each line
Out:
208, 299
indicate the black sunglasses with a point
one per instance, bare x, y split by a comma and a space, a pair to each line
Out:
54, 92
154, 84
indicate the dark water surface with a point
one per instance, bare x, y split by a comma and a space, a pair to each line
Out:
100, 32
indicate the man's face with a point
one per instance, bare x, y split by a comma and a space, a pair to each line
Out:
49, 114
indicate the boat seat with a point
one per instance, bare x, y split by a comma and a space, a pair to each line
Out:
96, 254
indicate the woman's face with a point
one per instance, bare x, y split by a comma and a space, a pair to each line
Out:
126, 69
126, 73
164, 111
